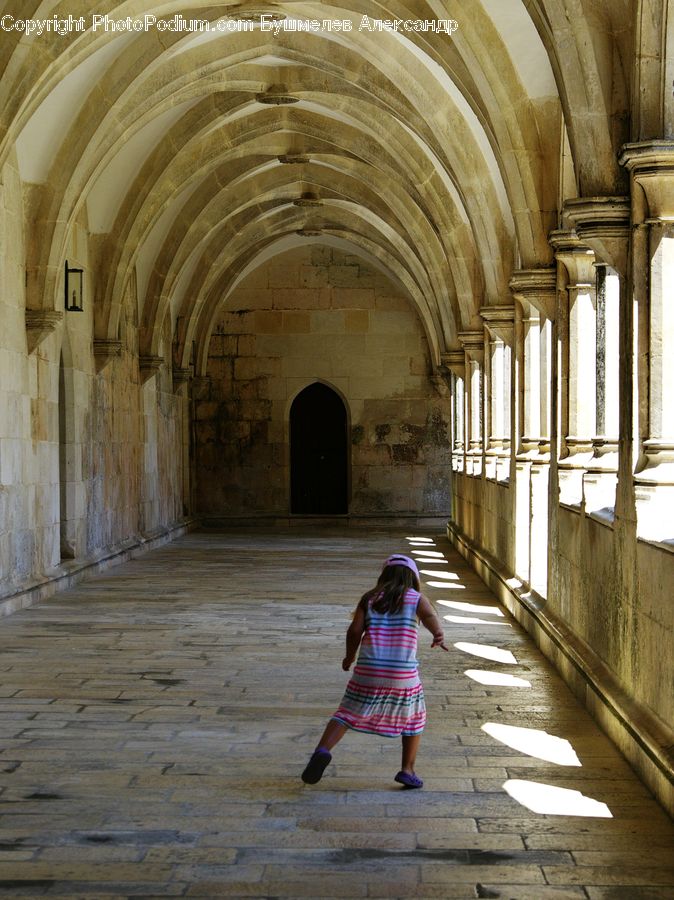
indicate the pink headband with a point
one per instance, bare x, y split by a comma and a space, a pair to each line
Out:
398, 560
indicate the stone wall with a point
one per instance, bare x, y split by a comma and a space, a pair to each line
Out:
20, 461
89, 461
318, 314
605, 618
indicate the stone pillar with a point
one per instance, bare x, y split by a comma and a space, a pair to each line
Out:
500, 337
473, 347
577, 336
601, 476
181, 383
535, 367
200, 391
602, 223
454, 363
453, 369
651, 167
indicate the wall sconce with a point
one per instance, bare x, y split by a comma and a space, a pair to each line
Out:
74, 289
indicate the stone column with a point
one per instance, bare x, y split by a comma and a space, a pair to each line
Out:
181, 383
602, 223
605, 443
500, 324
535, 291
651, 166
453, 369
577, 336
454, 363
473, 347
200, 391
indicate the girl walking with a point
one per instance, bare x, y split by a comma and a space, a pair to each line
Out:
384, 695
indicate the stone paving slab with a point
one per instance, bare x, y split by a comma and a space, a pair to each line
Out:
154, 722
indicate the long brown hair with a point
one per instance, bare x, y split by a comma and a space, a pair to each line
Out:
389, 592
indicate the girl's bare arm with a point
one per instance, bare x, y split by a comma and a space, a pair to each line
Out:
431, 622
354, 634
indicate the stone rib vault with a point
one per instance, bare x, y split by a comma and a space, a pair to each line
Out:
360, 264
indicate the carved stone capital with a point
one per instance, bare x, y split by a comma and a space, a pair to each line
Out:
473, 344
149, 366
577, 258
40, 323
105, 350
500, 321
603, 223
651, 164
181, 376
454, 361
537, 287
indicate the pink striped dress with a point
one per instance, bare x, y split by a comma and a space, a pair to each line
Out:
385, 695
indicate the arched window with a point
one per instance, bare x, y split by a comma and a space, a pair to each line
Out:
318, 452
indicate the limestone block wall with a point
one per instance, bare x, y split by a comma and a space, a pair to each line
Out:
497, 525
162, 413
19, 470
588, 566
90, 461
318, 314
631, 632
606, 618
655, 628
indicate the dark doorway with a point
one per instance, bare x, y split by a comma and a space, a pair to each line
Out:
318, 452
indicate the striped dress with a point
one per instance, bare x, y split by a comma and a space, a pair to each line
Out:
385, 695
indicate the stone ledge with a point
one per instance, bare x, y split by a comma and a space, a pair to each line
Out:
666, 546
394, 520
70, 572
645, 741
604, 516
494, 479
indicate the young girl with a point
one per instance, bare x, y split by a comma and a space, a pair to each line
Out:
385, 695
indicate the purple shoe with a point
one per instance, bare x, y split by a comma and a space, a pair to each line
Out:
316, 766
407, 780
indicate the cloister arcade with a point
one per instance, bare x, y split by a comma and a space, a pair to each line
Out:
460, 223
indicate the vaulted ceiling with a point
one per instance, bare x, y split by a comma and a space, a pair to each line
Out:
196, 156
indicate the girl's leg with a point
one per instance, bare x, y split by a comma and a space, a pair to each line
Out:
334, 732
320, 758
410, 747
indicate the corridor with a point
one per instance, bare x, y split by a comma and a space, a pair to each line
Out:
155, 721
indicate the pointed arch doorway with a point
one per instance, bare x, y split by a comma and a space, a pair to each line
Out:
318, 452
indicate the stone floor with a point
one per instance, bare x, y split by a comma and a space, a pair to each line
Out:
155, 721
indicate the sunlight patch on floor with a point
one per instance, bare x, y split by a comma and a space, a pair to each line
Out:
472, 607
447, 576
503, 679
486, 651
447, 586
473, 620
533, 742
549, 800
